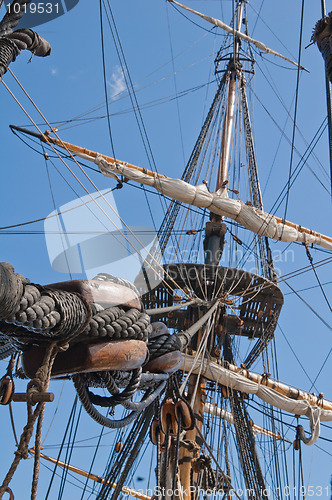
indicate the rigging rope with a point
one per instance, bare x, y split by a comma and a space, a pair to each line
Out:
95, 187
40, 384
105, 80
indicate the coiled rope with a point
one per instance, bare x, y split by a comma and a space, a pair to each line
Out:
11, 43
162, 345
116, 323
83, 394
12, 16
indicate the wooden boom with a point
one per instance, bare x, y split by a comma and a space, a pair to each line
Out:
94, 477
251, 218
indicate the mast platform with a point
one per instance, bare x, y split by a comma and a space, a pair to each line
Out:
251, 303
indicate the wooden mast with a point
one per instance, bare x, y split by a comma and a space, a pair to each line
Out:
229, 118
186, 456
188, 478
229, 115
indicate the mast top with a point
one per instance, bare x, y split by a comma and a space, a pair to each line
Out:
220, 24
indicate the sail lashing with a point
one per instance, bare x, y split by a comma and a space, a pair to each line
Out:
251, 218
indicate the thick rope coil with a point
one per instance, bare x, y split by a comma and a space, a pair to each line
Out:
110, 384
50, 313
12, 17
8, 53
6, 348
75, 313
42, 314
118, 397
12, 44
322, 36
103, 380
26, 39
115, 323
37, 313
162, 345
11, 290
150, 396
83, 395
326, 50
34, 313
107, 381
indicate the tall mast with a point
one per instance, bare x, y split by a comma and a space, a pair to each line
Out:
213, 244
230, 108
215, 231
250, 465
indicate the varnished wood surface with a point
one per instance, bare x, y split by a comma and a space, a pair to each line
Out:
116, 355
167, 363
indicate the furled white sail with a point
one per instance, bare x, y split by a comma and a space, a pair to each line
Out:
305, 404
260, 45
218, 202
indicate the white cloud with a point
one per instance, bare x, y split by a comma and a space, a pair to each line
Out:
117, 81
54, 71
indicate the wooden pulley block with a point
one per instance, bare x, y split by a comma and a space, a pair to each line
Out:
187, 415
296, 444
7, 388
118, 447
155, 429
168, 415
224, 392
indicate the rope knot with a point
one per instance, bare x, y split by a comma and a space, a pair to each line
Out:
62, 347
22, 453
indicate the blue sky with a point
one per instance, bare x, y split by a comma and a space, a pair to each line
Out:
70, 82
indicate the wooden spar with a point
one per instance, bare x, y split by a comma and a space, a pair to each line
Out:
187, 476
94, 477
229, 118
266, 432
227, 132
86, 154
35, 397
210, 371
301, 229
220, 24
326, 241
